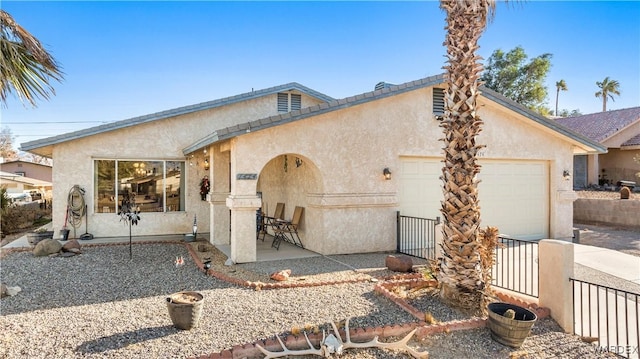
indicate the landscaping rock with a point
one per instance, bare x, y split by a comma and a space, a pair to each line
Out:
282, 275
399, 263
47, 247
3, 291
72, 244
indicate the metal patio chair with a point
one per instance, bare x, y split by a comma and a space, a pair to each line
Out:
270, 222
288, 230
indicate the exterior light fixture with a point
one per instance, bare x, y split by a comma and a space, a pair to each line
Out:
566, 175
206, 164
386, 173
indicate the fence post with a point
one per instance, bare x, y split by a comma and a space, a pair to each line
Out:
397, 231
555, 262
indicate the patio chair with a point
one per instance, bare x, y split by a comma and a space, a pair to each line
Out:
288, 230
270, 222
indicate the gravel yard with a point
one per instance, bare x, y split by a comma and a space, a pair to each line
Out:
101, 304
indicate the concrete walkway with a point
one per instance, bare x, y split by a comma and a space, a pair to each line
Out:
610, 250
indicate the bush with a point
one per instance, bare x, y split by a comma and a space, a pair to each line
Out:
18, 218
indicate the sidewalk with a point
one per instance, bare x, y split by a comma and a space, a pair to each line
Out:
610, 250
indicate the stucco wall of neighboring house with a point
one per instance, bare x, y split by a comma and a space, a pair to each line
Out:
619, 165
157, 140
354, 210
31, 170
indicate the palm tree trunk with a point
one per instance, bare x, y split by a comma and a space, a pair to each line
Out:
460, 272
557, 95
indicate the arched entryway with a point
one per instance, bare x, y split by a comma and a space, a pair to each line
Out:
291, 179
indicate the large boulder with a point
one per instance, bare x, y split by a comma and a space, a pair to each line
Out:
47, 247
71, 246
399, 263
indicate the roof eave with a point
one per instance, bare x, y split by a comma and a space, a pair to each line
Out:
590, 146
33, 146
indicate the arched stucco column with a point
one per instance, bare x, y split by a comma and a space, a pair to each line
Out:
243, 236
219, 212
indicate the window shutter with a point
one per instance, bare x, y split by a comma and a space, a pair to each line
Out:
283, 102
438, 101
296, 102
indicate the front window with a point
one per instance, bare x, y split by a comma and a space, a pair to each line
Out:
156, 186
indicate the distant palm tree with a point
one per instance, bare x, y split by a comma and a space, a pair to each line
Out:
25, 66
608, 88
560, 86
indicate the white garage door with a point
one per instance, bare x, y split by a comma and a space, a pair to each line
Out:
514, 195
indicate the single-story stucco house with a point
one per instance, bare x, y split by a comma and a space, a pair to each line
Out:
619, 132
290, 144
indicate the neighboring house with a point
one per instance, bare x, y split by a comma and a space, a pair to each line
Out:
619, 132
28, 169
18, 184
293, 145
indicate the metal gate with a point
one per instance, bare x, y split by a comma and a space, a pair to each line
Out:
416, 236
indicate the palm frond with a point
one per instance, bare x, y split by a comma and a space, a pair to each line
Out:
26, 68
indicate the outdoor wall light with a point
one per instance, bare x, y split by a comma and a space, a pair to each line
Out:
206, 164
566, 175
386, 173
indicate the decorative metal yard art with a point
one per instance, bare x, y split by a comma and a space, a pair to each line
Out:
129, 213
333, 344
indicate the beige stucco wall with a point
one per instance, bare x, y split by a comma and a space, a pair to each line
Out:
157, 140
353, 207
619, 165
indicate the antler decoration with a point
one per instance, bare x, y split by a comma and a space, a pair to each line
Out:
327, 349
312, 350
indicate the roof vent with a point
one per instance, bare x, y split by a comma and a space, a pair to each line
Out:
438, 101
382, 85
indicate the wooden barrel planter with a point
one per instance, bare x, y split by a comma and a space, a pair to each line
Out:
185, 309
507, 331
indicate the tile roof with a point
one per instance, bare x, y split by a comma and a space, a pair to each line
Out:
32, 145
602, 125
633, 141
383, 91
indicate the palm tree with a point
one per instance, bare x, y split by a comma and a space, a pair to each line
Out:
460, 270
608, 88
25, 66
560, 86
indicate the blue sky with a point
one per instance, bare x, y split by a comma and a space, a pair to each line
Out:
124, 59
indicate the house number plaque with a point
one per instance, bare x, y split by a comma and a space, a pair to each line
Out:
246, 176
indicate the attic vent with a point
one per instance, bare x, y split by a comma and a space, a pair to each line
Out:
296, 102
284, 105
438, 101
382, 85
283, 102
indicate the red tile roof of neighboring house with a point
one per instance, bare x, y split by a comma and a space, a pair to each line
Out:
602, 125
633, 141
